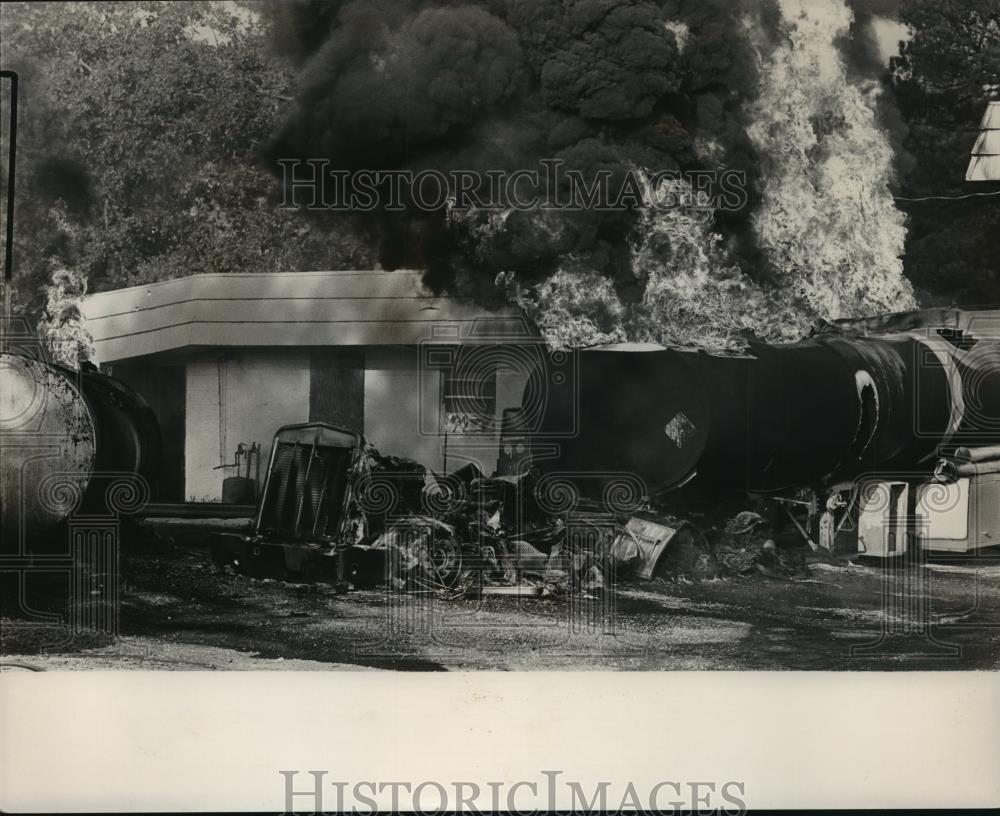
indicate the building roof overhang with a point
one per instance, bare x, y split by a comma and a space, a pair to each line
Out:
339, 308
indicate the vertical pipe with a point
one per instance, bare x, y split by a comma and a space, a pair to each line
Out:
8, 259
267, 485
256, 478
8, 255
222, 410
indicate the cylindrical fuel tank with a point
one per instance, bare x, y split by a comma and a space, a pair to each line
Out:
978, 368
60, 430
819, 411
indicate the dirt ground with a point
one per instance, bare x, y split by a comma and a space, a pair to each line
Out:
178, 612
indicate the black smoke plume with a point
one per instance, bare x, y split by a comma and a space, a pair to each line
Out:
501, 85
614, 85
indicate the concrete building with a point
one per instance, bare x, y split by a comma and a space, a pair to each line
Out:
225, 359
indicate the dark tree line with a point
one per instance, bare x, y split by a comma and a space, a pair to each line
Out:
142, 126
942, 80
138, 129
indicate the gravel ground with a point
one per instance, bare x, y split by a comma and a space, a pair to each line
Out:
178, 612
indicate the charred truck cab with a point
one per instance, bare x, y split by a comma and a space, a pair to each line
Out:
302, 514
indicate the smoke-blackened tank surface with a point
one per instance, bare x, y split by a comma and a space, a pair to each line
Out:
807, 414
782, 416
958, 347
128, 435
903, 406
59, 431
978, 364
821, 411
48, 442
643, 413
773, 418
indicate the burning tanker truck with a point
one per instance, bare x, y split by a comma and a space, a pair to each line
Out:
859, 400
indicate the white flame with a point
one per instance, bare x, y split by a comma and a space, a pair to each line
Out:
573, 308
63, 325
827, 221
694, 294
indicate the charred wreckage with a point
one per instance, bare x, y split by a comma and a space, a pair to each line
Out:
877, 437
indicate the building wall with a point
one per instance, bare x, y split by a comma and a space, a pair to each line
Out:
245, 396
239, 397
402, 405
337, 387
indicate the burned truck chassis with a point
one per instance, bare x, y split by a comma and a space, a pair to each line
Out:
333, 509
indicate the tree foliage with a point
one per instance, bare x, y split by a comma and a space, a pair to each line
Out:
139, 127
944, 77
142, 123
